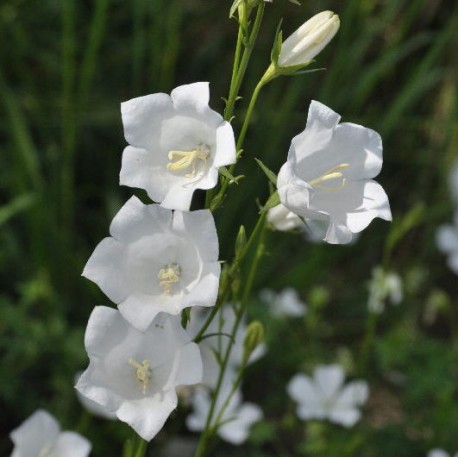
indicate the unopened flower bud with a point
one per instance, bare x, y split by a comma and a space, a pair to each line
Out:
254, 336
240, 242
309, 39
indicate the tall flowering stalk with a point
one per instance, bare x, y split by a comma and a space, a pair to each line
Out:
161, 259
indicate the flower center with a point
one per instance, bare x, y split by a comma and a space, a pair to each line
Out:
169, 275
330, 174
142, 373
183, 160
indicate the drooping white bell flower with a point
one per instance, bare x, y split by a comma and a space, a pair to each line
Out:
40, 435
135, 374
384, 286
286, 303
176, 144
447, 242
219, 332
328, 175
309, 39
324, 396
236, 420
157, 261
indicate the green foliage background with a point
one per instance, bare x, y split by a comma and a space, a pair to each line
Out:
65, 66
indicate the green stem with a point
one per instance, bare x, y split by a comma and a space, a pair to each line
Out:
369, 336
210, 430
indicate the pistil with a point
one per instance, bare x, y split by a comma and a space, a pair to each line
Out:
330, 174
169, 275
142, 373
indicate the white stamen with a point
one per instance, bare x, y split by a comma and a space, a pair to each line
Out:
142, 373
182, 160
330, 174
169, 275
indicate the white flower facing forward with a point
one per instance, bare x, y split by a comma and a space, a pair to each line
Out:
447, 242
40, 435
236, 420
219, 332
135, 374
324, 397
157, 261
309, 39
176, 144
286, 303
327, 176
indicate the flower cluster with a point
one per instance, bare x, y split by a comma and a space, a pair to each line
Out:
160, 259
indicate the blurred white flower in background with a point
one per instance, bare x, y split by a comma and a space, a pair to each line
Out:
176, 144
40, 435
236, 420
285, 303
324, 396
219, 333
328, 175
384, 286
439, 452
135, 374
283, 219
157, 261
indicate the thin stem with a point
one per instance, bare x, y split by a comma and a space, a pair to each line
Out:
209, 430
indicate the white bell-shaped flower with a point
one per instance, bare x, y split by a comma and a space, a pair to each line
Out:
324, 396
236, 420
135, 374
176, 144
157, 261
328, 175
40, 435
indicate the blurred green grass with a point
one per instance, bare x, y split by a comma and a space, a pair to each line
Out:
64, 69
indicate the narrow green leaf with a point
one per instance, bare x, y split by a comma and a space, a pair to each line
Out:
269, 174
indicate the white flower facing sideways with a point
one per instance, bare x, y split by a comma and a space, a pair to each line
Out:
328, 175
176, 144
384, 286
237, 419
286, 303
324, 397
40, 435
157, 261
135, 374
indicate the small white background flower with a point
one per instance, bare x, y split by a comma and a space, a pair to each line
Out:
384, 286
135, 374
40, 435
176, 144
157, 260
285, 303
237, 418
328, 175
324, 397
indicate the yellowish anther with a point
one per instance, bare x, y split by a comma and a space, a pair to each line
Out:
142, 373
169, 275
330, 174
182, 160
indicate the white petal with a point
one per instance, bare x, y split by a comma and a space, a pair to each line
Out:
105, 268
301, 389
147, 416
71, 444
37, 434
346, 416
294, 193
205, 292
200, 226
447, 238
283, 219
142, 118
189, 365
452, 262
135, 220
328, 379
178, 198
236, 431
196, 95
225, 153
